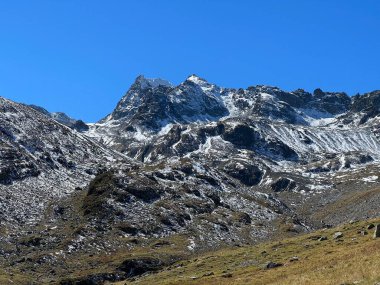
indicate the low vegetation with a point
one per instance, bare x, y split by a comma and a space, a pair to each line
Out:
315, 258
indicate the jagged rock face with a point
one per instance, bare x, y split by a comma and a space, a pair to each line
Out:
143, 105
366, 102
198, 100
368, 105
246, 136
332, 102
268, 102
140, 90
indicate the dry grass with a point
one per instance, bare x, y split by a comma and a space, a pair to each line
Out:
354, 259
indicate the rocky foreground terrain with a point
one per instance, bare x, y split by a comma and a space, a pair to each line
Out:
175, 171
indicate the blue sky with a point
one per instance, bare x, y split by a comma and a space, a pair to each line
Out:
81, 56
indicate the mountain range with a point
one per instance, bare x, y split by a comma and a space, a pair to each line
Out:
181, 169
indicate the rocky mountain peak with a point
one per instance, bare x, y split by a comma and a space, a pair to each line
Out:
153, 103
144, 82
196, 79
143, 92
200, 86
318, 93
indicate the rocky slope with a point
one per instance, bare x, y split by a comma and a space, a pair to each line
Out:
42, 160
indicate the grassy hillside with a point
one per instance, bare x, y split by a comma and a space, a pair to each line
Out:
351, 259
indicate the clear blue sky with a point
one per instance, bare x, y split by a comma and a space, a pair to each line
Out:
80, 56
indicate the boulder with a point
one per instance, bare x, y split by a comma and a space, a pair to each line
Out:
322, 238
294, 258
370, 226
135, 267
227, 275
272, 264
376, 233
338, 235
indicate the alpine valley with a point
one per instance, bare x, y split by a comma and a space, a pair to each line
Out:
175, 172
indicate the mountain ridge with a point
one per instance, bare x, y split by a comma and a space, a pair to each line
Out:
328, 101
